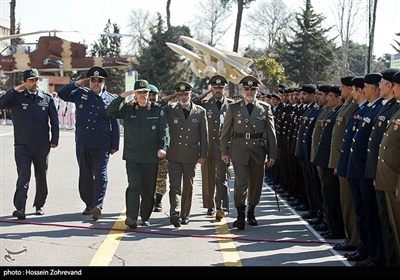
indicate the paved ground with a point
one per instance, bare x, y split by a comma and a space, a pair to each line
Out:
65, 239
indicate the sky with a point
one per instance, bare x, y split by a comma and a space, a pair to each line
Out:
90, 17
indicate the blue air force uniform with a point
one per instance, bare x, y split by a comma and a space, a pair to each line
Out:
95, 135
31, 115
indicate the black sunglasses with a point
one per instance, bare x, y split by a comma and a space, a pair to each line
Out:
99, 80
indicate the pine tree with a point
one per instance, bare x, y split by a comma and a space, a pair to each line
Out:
309, 56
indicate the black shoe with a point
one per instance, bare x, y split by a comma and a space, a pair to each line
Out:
344, 247
39, 211
303, 207
157, 207
321, 227
239, 224
315, 221
131, 222
185, 221
334, 236
252, 221
346, 255
308, 215
210, 211
357, 257
366, 262
291, 198
20, 214
86, 211
175, 221
96, 212
325, 233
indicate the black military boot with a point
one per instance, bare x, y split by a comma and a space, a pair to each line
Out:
157, 204
240, 223
251, 218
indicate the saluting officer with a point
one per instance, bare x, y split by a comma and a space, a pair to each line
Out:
146, 139
189, 144
214, 170
247, 137
32, 112
96, 135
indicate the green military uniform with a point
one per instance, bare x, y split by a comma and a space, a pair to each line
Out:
145, 132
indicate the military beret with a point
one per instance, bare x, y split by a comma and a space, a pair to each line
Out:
217, 80
30, 73
335, 89
324, 88
249, 81
358, 81
182, 87
309, 88
387, 74
97, 71
396, 78
373, 78
153, 88
347, 80
141, 85
275, 95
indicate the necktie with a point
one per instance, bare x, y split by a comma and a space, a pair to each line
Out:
250, 107
186, 112
219, 104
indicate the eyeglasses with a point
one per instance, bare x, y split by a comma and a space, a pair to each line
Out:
99, 81
142, 91
248, 88
217, 86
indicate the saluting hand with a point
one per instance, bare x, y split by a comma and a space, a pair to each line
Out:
82, 82
20, 87
127, 93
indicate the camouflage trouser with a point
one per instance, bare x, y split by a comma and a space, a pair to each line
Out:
161, 186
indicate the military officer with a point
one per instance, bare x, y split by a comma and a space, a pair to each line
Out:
388, 168
189, 145
248, 139
36, 131
381, 120
214, 170
96, 135
146, 138
351, 240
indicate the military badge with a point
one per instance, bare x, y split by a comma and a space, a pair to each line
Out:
239, 121
80, 106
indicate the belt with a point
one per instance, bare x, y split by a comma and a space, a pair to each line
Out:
248, 135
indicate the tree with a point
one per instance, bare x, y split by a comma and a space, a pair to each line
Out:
268, 22
211, 25
140, 22
397, 47
348, 15
308, 57
157, 63
270, 71
110, 46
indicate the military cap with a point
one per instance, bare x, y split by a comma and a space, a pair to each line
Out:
275, 95
396, 78
249, 81
284, 86
263, 93
288, 90
141, 85
153, 88
269, 95
30, 73
97, 71
309, 88
182, 87
347, 80
217, 80
324, 88
358, 81
388, 73
335, 89
373, 78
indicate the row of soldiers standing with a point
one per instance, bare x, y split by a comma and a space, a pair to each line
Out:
337, 159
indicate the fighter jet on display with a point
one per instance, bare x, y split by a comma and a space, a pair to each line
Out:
52, 53
213, 61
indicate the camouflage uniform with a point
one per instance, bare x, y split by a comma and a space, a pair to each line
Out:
161, 186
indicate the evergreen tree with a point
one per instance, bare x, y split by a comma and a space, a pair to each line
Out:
157, 63
309, 56
110, 46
